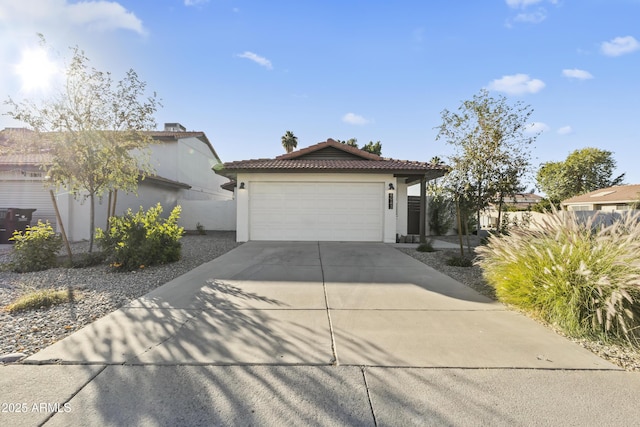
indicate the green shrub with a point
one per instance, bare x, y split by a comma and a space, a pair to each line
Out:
138, 240
40, 298
581, 277
426, 246
36, 249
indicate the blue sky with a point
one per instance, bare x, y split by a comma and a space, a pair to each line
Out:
246, 71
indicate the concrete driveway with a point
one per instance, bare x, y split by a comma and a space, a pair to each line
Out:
309, 333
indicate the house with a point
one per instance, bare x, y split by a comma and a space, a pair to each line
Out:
326, 192
518, 202
617, 198
183, 162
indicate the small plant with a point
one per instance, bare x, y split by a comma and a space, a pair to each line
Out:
459, 261
201, 229
580, 276
137, 240
36, 249
41, 298
426, 246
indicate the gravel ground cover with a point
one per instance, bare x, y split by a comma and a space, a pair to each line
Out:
625, 357
97, 292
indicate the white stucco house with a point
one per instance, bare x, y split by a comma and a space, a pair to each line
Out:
183, 162
326, 192
610, 199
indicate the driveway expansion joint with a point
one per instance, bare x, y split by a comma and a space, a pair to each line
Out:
334, 350
366, 387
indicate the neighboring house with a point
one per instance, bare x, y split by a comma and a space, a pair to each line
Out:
517, 202
328, 191
183, 162
617, 198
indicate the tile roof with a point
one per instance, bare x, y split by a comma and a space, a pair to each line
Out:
296, 161
330, 143
334, 164
35, 159
10, 136
616, 194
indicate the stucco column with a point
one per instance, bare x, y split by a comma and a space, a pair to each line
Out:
423, 208
242, 209
403, 207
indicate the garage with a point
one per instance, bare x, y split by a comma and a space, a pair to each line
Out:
335, 211
28, 195
329, 191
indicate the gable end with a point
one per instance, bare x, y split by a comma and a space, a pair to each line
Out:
330, 153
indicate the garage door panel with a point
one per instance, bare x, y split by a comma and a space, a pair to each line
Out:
316, 211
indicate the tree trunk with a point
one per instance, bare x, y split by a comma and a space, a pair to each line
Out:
459, 226
479, 204
466, 231
109, 208
92, 220
500, 201
61, 225
115, 200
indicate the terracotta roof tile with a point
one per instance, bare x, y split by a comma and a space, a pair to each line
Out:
330, 143
35, 159
282, 164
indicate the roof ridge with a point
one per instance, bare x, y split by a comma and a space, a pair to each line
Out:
329, 143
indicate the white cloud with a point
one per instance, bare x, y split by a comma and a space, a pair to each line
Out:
194, 2
565, 130
521, 3
536, 127
104, 16
532, 18
620, 46
355, 119
517, 84
261, 60
577, 74
96, 15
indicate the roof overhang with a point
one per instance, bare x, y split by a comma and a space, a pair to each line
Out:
164, 182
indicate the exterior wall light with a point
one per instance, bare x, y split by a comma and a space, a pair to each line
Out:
242, 186
391, 187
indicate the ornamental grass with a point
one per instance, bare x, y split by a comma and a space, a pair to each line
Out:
582, 276
42, 298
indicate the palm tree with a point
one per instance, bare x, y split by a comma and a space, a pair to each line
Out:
436, 161
289, 141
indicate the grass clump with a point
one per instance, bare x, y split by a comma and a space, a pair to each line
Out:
581, 276
36, 299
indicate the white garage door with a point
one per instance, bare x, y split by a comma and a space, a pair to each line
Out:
28, 195
316, 211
